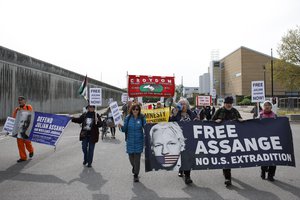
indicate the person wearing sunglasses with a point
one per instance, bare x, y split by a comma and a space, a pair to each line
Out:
133, 127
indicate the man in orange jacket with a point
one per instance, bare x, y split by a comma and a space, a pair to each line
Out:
22, 143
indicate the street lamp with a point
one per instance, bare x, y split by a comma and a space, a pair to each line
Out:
264, 69
272, 72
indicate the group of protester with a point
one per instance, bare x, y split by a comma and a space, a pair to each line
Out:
133, 126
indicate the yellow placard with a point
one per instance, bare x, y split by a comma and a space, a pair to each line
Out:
157, 115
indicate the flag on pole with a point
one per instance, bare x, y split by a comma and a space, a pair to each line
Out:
83, 88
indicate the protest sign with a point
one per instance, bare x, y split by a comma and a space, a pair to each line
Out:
47, 128
158, 86
95, 96
23, 124
157, 115
116, 114
209, 145
9, 125
258, 91
203, 100
124, 97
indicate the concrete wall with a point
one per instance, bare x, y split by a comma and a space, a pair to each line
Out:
48, 88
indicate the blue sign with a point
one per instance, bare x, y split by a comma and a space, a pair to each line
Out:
209, 145
48, 128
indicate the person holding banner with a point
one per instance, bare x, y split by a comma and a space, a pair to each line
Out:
133, 127
89, 135
227, 112
267, 113
23, 126
183, 113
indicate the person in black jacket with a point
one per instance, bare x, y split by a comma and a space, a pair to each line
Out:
183, 113
227, 112
89, 135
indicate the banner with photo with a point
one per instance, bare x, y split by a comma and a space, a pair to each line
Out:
155, 86
48, 128
204, 145
39, 127
157, 115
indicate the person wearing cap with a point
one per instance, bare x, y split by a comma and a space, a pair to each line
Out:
227, 112
22, 142
89, 134
267, 113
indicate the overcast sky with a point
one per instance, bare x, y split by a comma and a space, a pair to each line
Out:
106, 38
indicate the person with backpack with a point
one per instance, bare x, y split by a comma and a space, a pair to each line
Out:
22, 141
89, 134
133, 127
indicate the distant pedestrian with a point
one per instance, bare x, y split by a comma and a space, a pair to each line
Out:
22, 138
110, 122
267, 113
89, 134
255, 111
227, 112
133, 127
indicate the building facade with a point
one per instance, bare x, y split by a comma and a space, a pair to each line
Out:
232, 75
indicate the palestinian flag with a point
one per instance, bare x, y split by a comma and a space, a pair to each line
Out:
83, 88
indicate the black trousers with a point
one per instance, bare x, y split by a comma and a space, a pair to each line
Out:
270, 169
227, 173
187, 173
135, 160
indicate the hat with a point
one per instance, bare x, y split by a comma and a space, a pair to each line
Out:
228, 100
268, 102
90, 106
21, 97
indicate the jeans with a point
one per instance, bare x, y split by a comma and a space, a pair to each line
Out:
88, 150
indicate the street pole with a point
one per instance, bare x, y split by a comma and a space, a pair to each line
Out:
264, 69
272, 86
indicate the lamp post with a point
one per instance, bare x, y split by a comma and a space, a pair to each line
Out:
272, 73
264, 69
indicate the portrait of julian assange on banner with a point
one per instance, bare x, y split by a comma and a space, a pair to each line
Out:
210, 145
40, 127
23, 124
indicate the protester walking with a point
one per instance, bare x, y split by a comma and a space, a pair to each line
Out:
110, 122
183, 113
89, 134
267, 113
133, 128
255, 111
22, 138
227, 112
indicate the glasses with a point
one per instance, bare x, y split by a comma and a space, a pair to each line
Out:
136, 109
